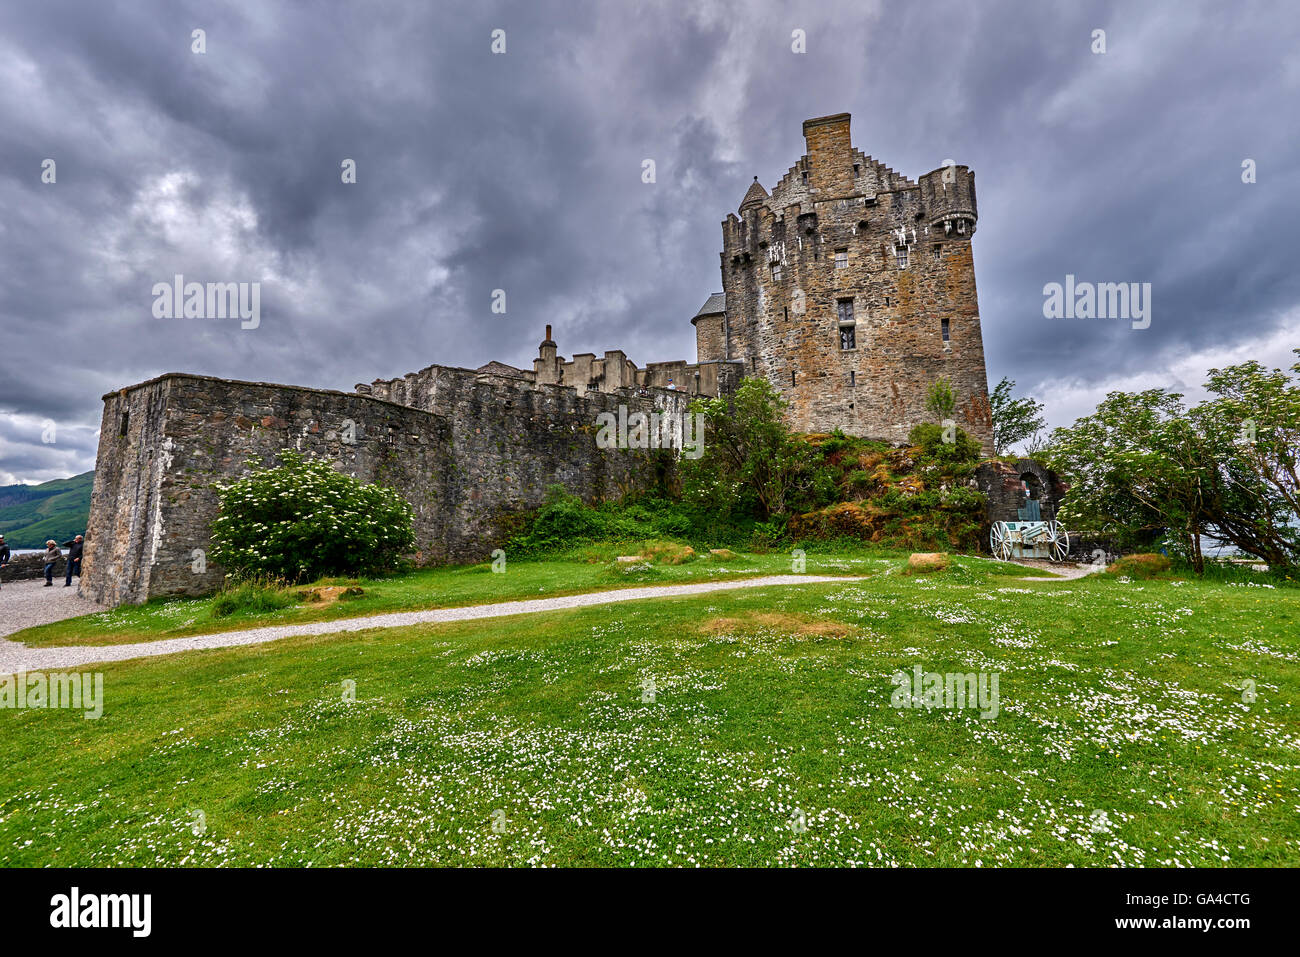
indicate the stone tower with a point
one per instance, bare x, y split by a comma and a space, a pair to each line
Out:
852, 290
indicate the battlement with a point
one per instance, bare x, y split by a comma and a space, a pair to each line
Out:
584, 374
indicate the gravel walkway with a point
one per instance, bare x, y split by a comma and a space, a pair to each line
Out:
26, 604
17, 657
1060, 571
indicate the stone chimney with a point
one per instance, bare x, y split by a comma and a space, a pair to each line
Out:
830, 155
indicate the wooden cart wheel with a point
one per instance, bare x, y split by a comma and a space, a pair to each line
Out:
1059, 542
1000, 541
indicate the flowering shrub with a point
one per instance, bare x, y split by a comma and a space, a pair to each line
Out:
303, 520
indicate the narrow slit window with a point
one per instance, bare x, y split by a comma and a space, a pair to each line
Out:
943, 328
853, 378
792, 378
125, 424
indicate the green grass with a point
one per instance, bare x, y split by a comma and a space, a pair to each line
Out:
1122, 738
587, 569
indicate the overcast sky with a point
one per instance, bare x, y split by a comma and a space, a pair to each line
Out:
522, 171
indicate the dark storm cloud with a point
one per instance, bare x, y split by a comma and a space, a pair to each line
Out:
522, 172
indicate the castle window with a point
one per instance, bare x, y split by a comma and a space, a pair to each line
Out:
804, 176
792, 378
853, 378
900, 252
776, 272
125, 423
937, 252
786, 311
841, 259
856, 168
848, 328
943, 328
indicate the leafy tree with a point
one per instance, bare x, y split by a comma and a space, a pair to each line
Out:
1251, 433
1227, 468
302, 519
1015, 420
1135, 464
751, 462
940, 400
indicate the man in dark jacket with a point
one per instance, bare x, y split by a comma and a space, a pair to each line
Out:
4, 557
74, 560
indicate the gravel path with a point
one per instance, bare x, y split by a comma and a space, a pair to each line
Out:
1060, 571
18, 657
26, 604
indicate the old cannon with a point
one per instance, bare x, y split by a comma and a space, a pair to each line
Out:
1034, 539
1030, 536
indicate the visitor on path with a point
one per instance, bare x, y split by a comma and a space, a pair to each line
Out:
74, 560
52, 555
4, 558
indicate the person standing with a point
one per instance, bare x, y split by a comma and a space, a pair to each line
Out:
52, 555
75, 548
4, 558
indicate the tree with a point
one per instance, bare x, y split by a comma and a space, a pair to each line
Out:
302, 520
1227, 468
1015, 420
751, 461
1251, 432
940, 400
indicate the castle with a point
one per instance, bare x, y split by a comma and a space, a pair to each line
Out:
850, 288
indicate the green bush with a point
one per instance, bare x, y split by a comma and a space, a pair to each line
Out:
930, 437
303, 520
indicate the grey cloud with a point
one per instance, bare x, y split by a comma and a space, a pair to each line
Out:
522, 172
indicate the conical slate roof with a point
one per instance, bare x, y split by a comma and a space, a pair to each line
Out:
756, 194
714, 305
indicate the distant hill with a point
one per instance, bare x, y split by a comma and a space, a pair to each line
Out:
32, 514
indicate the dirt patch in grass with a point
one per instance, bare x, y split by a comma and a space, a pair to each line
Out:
782, 621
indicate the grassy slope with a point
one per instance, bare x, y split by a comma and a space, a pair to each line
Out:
31, 514
1117, 698
589, 569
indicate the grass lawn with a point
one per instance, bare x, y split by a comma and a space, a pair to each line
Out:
740, 728
583, 570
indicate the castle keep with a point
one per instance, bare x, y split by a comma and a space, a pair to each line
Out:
850, 288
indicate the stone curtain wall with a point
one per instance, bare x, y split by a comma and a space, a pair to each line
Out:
480, 449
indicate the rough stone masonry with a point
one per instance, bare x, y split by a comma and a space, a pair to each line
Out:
849, 287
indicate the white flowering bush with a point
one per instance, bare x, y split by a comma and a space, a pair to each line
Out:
303, 520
